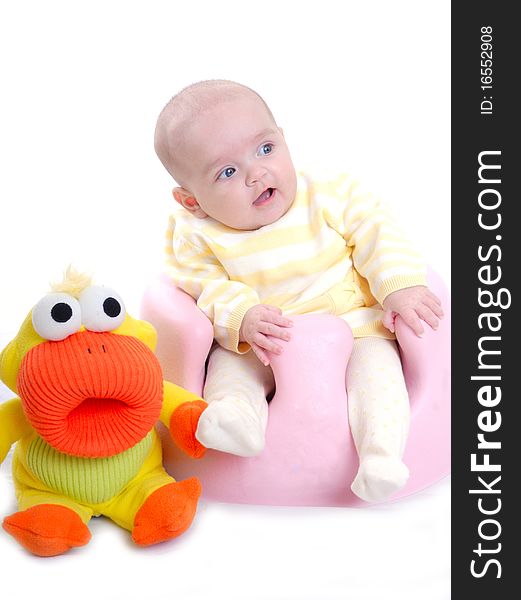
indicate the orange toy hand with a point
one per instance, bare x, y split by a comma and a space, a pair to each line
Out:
183, 425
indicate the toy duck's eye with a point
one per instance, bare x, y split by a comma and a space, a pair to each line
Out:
57, 316
102, 308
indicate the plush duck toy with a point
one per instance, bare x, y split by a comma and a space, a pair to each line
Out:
91, 391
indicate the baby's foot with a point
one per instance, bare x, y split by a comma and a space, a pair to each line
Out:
231, 425
378, 477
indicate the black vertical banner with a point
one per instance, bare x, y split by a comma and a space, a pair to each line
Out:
486, 251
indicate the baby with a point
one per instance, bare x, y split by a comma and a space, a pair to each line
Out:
254, 243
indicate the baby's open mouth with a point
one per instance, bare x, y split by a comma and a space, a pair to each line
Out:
264, 197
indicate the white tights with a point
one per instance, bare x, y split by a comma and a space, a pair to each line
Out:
235, 420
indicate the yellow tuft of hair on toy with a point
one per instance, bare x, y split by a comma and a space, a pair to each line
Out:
73, 282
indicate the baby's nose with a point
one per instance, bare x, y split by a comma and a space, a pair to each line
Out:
255, 174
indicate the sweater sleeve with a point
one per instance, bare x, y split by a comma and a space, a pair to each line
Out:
195, 270
381, 252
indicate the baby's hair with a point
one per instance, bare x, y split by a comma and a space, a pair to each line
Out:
186, 105
73, 282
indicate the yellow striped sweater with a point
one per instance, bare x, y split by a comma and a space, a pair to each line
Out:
336, 250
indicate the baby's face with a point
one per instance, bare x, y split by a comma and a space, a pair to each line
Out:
237, 166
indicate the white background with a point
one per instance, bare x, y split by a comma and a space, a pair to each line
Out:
357, 86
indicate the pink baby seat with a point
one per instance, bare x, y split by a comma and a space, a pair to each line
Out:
309, 458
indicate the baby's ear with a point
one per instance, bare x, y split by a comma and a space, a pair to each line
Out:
188, 201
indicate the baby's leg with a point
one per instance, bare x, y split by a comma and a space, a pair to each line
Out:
378, 416
235, 389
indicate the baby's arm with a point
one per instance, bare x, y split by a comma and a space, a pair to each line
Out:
394, 269
198, 272
259, 322
413, 304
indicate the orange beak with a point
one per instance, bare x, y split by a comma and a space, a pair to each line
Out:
91, 394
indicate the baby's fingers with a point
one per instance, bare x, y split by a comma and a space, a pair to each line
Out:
428, 316
277, 319
264, 343
434, 306
412, 319
388, 320
260, 354
433, 296
274, 330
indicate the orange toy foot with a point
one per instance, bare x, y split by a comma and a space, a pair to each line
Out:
167, 512
47, 529
183, 424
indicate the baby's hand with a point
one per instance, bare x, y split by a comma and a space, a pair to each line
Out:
259, 322
412, 304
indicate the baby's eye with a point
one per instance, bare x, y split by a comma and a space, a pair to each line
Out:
226, 173
265, 149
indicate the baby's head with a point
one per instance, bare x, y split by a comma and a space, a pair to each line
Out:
221, 144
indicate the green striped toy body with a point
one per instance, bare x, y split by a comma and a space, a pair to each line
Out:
87, 480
